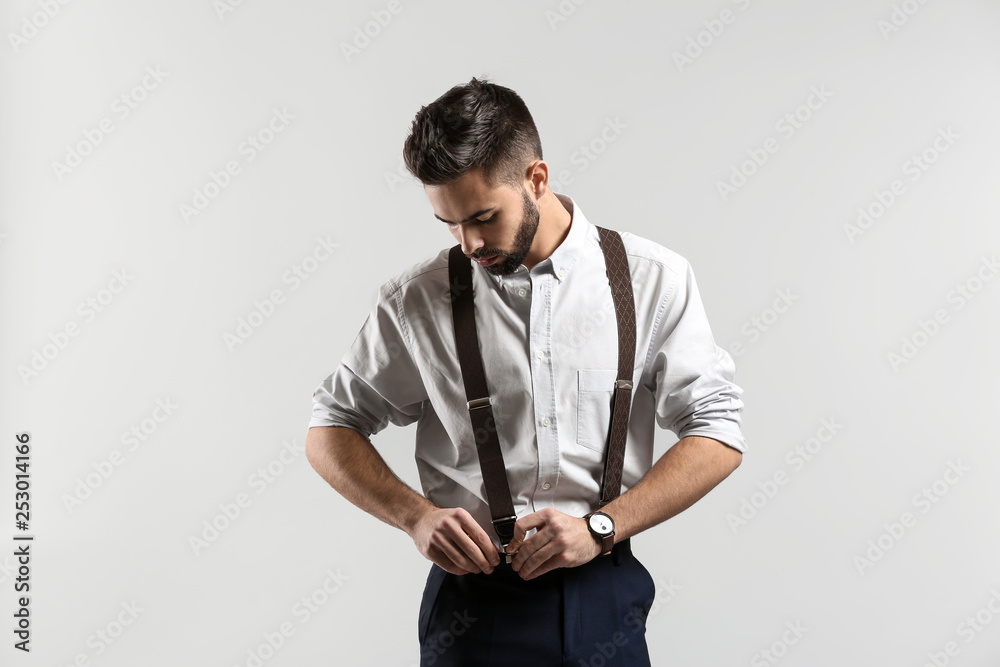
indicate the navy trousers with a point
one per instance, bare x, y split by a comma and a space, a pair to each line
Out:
593, 615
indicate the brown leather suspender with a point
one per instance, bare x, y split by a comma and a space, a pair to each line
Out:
621, 402
480, 410
479, 404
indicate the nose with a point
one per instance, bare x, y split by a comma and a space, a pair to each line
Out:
471, 241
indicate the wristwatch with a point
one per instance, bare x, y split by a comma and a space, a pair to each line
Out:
602, 527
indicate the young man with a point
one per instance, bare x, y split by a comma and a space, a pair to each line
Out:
548, 328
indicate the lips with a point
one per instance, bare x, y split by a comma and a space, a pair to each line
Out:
488, 261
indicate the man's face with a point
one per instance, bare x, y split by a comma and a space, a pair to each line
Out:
496, 224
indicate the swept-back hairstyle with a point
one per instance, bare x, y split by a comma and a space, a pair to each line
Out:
478, 124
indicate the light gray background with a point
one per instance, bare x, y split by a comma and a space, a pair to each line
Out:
334, 172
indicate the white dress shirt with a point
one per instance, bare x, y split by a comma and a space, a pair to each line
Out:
549, 342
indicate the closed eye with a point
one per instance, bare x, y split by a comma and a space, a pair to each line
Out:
472, 218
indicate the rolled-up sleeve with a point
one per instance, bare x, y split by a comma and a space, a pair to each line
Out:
377, 381
694, 390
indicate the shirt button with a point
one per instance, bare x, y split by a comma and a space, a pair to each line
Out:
540, 354
521, 292
545, 422
562, 272
546, 486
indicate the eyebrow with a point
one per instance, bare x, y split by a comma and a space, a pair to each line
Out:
470, 218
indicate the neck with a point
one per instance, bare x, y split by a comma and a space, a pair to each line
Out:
553, 227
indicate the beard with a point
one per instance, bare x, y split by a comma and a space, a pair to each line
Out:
523, 238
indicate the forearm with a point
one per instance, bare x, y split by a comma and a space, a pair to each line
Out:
681, 477
352, 466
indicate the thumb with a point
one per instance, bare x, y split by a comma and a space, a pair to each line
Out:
515, 542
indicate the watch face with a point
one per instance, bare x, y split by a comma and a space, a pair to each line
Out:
601, 524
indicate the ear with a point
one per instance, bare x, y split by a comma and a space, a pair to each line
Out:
537, 177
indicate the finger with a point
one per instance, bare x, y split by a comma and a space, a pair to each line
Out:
475, 543
529, 521
515, 542
471, 552
457, 555
528, 548
438, 558
521, 528
542, 561
445, 542
483, 541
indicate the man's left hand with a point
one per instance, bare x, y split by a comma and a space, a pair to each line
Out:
561, 540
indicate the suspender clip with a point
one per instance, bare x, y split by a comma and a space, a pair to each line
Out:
505, 529
475, 403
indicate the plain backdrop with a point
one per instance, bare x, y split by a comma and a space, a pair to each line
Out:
829, 169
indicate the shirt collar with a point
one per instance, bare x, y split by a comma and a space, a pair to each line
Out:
566, 254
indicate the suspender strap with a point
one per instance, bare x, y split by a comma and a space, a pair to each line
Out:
620, 279
480, 410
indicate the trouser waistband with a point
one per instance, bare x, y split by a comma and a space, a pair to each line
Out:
619, 552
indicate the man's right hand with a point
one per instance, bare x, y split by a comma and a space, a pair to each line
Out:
452, 539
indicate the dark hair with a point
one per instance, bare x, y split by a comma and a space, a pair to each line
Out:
478, 124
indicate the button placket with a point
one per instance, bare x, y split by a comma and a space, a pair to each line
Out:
543, 383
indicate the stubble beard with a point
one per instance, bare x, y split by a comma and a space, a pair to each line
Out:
523, 238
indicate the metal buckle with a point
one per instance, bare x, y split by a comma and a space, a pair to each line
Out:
505, 529
508, 557
478, 403
623, 384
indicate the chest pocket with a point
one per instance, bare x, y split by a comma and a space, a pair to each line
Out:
595, 386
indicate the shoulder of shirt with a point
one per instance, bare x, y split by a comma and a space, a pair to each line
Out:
430, 274
654, 254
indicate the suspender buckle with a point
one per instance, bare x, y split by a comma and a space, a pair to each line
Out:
505, 529
623, 384
476, 403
